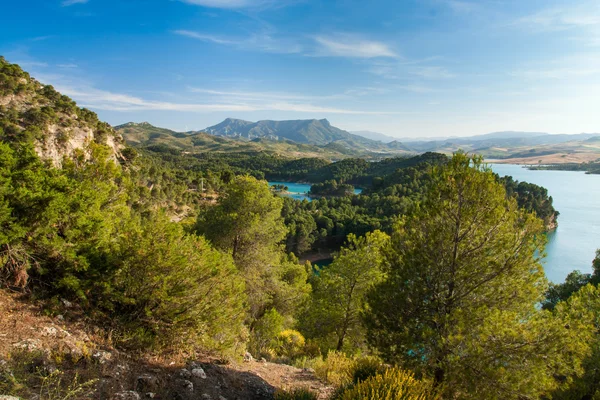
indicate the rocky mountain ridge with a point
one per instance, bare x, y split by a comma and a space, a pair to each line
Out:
309, 131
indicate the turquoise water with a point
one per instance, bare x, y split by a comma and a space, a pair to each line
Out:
299, 191
577, 197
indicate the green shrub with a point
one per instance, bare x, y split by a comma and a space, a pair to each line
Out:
171, 288
335, 369
394, 384
290, 343
296, 394
365, 368
264, 334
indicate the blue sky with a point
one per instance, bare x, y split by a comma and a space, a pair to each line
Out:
407, 68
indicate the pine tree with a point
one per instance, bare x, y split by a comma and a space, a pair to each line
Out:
334, 314
460, 299
247, 223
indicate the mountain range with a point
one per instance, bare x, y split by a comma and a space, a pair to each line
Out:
309, 131
317, 137
144, 134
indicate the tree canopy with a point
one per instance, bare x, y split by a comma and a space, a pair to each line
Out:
459, 302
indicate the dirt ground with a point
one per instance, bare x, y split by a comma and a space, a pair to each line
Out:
558, 158
24, 327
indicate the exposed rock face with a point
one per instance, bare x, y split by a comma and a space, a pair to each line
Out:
552, 224
32, 111
54, 147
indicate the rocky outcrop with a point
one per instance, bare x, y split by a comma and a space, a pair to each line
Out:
59, 142
552, 223
32, 111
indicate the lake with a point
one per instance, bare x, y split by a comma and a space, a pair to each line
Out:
577, 197
299, 191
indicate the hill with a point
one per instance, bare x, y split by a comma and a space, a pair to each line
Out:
32, 111
146, 135
516, 147
310, 131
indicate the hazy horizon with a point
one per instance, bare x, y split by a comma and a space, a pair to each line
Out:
364, 130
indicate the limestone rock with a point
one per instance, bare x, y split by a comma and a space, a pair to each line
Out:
185, 374
185, 385
147, 383
198, 373
126, 395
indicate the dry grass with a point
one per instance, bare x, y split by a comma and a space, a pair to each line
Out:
62, 357
558, 158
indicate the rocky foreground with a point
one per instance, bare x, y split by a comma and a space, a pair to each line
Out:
38, 351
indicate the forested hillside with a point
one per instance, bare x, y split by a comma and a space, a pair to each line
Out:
434, 289
145, 135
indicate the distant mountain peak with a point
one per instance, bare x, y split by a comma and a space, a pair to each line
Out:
309, 131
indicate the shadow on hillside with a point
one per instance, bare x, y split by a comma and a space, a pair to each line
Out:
217, 382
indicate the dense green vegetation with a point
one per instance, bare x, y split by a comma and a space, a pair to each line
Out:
437, 271
331, 188
333, 316
589, 168
391, 186
460, 285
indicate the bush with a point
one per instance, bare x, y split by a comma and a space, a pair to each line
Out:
394, 384
290, 343
173, 288
365, 368
296, 394
264, 334
335, 369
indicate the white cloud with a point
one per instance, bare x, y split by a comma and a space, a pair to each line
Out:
405, 69
586, 15
207, 38
341, 45
277, 97
251, 96
239, 4
259, 41
461, 6
416, 88
429, 72
556, 73
220, 3
105, 100
67, 66
67, 3
352, 46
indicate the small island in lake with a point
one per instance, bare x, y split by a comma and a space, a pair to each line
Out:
331, 189
280, 188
